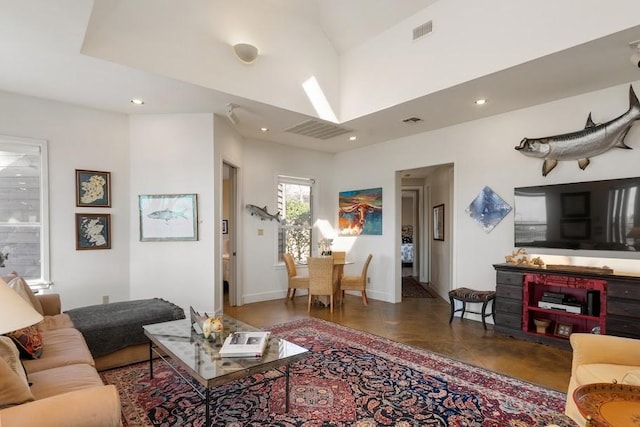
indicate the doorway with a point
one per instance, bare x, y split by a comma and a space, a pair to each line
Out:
229, 235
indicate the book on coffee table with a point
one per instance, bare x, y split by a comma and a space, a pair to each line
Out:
245, 344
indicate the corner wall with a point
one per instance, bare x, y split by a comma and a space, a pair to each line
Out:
78, 138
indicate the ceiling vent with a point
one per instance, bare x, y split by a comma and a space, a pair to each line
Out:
317, 129
412, 120
422, 30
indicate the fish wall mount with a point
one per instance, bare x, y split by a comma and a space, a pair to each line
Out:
262, 213
581, 145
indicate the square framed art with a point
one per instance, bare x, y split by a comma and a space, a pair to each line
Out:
93, 231
93, 189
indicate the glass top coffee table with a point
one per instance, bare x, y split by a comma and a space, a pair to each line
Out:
200, 357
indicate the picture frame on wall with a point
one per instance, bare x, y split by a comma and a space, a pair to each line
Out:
225, 226
93, 189
168, 217
438, 222
93, 231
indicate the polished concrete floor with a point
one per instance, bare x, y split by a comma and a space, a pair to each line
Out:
424, 323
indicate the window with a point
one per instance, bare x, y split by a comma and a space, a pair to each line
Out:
24, 242
296, 217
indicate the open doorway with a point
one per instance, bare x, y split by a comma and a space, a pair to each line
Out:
229, 235
411, 232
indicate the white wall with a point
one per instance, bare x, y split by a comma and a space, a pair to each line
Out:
483, 154
174, 154
78, 138
264, 276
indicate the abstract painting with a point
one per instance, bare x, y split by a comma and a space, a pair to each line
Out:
360, 212
488, 209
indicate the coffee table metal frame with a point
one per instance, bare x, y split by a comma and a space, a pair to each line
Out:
200, 358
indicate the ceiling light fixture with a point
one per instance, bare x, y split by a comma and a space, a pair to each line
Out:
353, 138
264, 129
137, 101
246, 53
635, 54
231, 115
480, 101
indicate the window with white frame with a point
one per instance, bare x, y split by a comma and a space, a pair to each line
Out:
295, 204
24, 228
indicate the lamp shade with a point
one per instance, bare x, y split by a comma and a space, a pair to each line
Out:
15, 312
245, 52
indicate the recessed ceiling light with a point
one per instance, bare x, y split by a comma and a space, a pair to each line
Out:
480, 101
137, 101
353, 138
264, 129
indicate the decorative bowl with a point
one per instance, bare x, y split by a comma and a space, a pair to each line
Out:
541, 325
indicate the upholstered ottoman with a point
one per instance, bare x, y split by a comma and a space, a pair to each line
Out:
114, 333
466, 295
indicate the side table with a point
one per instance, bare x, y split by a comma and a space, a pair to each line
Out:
609, 404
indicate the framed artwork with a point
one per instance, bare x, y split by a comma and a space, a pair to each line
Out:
360, 212
168, 217
438, 222
575, 204
488, 209
563, 330
225, 226
93, 189
93, 231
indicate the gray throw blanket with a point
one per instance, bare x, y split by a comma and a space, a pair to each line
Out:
110, 327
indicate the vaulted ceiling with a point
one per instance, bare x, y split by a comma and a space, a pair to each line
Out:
177, 57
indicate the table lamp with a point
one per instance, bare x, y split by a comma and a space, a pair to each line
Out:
15, 312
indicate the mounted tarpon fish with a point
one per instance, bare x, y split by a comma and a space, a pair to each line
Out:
583, 144
262, 213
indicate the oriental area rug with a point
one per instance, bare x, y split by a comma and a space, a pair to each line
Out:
413, 288
351, 378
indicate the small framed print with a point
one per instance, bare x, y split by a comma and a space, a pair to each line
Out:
438, 222
563, 330
93, 189
225, 226
93, 231
168, 217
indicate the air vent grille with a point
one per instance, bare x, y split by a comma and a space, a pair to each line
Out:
317, 129
422, 30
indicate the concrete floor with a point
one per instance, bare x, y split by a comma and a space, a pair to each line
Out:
424, 323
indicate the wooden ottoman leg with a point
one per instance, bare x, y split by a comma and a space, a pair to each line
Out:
452, 307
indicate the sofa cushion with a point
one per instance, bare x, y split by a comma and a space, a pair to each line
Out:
601, 373
64, 346
14, 387
57, 321
19, 285
29, 341
63, 379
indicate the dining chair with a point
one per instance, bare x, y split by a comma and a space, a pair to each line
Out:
295, 281
321, 281
357, 283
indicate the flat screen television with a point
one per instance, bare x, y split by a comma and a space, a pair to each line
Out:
596, 215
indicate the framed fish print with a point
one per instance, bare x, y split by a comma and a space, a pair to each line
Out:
93, 189
93, 231
168, 217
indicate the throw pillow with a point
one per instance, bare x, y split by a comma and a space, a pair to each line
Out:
15, 387
19, 285
632, 378
29, 342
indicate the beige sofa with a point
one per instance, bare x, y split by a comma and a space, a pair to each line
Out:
601, 359
65, 387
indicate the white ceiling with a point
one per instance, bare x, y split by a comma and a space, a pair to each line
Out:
49, 51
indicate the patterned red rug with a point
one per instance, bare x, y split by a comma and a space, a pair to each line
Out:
351, 378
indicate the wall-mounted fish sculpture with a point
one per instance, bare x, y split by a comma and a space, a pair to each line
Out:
262, 213
581, 145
